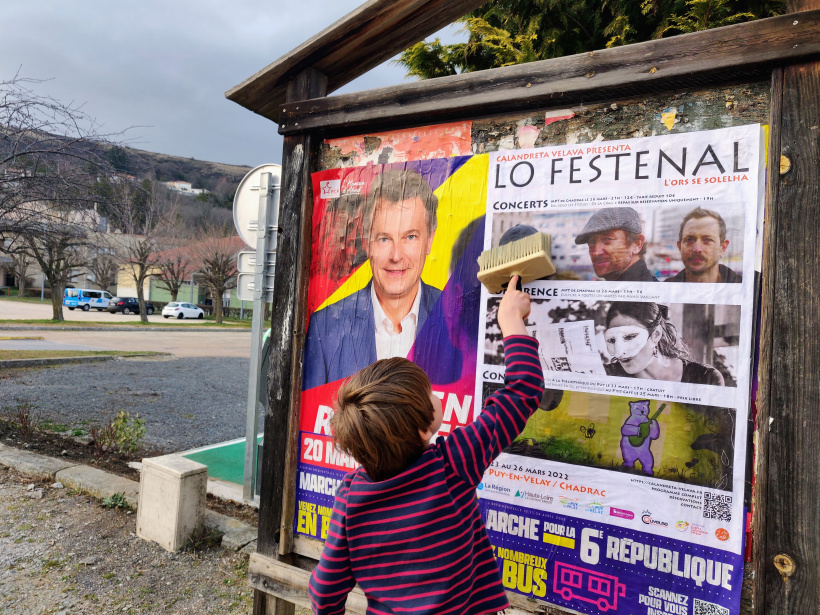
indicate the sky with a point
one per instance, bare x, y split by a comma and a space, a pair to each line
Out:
159, 70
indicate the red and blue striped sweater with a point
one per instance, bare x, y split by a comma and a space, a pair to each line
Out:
415, 543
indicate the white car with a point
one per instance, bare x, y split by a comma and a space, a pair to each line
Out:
179, 310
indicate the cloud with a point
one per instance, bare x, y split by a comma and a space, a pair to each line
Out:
162, 68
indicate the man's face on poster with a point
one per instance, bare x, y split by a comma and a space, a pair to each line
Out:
611, 252
700, 245
398, 245
343, 231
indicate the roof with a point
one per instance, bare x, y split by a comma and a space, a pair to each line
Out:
361, 40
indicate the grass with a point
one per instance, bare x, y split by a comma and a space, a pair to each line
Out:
51, 563
27, 299
6, 355
203, 538
49, 425
132, 321
116, 501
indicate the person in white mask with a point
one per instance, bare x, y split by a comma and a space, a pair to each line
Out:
643, 343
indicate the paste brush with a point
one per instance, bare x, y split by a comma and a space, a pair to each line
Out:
525, 253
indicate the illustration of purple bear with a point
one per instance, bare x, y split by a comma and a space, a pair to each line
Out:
637, 433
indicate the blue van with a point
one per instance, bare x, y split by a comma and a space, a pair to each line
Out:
85, 299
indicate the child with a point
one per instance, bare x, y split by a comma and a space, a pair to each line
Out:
406, 525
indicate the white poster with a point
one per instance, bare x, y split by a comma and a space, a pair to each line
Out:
637, 477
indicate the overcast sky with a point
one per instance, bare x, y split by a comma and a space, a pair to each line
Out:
163, 67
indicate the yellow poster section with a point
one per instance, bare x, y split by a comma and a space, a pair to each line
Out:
461, 199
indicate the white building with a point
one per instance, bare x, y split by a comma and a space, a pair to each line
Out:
184, 188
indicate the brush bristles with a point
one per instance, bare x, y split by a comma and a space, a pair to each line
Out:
528, 257
522, 248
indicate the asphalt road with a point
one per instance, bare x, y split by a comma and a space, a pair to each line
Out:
11, 309
195, 398
182, 344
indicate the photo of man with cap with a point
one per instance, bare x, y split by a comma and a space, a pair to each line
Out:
614, 237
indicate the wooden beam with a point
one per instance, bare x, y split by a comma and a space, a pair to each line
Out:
722, 55
787, 489
290, 582
302, 153
363, 39
287, 339
287, 321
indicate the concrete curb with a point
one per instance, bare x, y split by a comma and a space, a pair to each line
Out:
12, 363
101, 484
189, 329
32, 464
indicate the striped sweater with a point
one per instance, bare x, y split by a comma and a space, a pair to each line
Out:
415, 543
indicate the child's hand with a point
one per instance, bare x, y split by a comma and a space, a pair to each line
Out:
514, 308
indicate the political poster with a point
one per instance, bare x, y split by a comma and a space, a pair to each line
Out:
628, 496
414, 264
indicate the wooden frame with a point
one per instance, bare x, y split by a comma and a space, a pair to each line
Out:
363, 39
787, 493
741, 52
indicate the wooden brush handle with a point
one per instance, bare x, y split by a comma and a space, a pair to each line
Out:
518, 285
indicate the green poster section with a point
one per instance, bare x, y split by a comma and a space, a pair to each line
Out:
695, 445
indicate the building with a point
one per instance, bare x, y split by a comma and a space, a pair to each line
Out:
191, 290
184, 188
88, 220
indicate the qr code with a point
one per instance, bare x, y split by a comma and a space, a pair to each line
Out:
701, 607
561, 364
717, 506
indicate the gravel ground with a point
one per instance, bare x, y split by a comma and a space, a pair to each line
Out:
186, 403
62, 553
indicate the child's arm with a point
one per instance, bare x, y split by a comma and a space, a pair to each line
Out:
332, 578
472, 448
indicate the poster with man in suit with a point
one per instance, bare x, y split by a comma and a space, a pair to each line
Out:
380, 320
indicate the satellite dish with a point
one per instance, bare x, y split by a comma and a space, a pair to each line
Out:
246, 201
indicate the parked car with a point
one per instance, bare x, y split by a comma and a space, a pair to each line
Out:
175, 309
129, 305
85, 299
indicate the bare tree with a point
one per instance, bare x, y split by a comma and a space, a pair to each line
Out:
174, 269
141, 213
47, 148
20, 262
105, 268
59, 243
217, 254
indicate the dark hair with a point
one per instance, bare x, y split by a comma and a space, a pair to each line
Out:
652, 316
634, 238
397, 185
699, 212
378, 413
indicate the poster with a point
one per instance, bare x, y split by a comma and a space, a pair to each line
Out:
627, 497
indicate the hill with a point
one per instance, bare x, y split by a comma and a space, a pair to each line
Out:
216, 177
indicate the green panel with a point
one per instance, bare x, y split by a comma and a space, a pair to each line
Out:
160, 293
224, 462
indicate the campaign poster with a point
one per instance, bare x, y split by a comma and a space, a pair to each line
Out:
415, 264
628, 496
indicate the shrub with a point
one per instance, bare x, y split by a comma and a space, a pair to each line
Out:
116, 501
203, 538
122, 434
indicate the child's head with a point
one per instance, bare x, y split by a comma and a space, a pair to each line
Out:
384, 416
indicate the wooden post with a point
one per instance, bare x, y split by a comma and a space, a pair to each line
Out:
287, 333
787, 492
